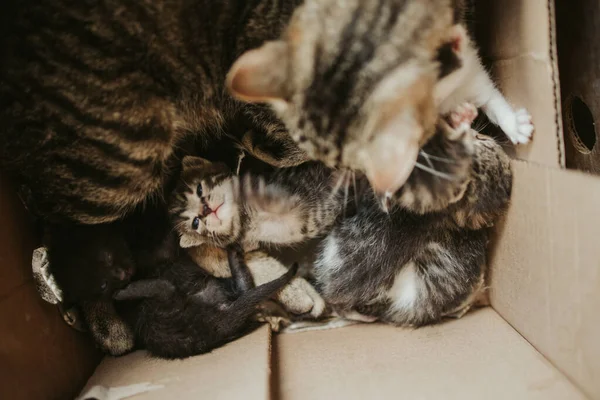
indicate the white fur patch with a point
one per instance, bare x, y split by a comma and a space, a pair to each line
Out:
328, 260
405, 290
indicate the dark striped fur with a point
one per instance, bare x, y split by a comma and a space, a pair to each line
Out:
95, 94
339, 62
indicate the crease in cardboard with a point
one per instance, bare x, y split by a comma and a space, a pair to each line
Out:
100, 392
534, 55
553, 54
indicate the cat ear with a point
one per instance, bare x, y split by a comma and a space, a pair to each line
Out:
191, 162
187, 241
260, 75
390, 157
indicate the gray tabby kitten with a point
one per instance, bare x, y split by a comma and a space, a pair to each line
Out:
280, 207
426, 258
360, 83
95, 94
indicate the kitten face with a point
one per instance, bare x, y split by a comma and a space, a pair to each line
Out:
90, 262
204, 207
353, 82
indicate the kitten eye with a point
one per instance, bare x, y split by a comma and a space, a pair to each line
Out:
195, 223
199, 190
104, 286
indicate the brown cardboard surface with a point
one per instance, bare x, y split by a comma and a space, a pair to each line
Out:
578, 29
238, 370
517, 41
477, 357
40, 356
545, 273
16, 241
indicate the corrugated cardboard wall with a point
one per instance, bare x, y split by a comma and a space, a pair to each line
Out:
545, 268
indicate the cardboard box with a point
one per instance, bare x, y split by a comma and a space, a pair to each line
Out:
539, 340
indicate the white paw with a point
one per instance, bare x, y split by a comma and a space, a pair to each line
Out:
518, 127
299, 297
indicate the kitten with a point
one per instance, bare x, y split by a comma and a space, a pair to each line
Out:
96, 95
360, 84
210, 207
89, 262
82, 265
425, 259
186, 311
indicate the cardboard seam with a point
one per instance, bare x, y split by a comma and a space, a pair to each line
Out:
555, 84
550, 363
271, 384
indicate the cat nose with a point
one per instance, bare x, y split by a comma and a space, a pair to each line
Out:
206, 210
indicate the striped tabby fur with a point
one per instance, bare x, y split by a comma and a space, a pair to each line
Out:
282, 206
425, 259
95, 94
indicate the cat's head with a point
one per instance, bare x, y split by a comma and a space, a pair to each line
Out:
89, 262
204, 207
353, 81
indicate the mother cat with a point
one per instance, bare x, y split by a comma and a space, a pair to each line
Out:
95, 94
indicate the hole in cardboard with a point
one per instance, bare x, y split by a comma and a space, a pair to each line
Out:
580, 124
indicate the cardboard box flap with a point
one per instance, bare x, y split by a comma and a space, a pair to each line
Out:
517, 40
477, 357
545, 273
238, 370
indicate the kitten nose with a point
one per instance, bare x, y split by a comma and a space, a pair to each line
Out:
206, 210
120, 274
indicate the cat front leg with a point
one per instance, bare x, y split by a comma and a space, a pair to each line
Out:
516, 125
108, 329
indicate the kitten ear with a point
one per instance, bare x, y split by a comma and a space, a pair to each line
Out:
187, 241
260, 75
191, 162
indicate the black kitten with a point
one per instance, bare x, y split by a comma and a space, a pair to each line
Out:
184, 311
89, 262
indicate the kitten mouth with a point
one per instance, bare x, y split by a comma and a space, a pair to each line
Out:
216, 211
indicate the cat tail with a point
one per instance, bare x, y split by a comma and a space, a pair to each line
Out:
238, 313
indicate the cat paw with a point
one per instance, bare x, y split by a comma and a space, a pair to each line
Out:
260, 197
462, 117
518, 127
117, 340
299, 297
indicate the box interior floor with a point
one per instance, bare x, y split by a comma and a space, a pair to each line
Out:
539, 340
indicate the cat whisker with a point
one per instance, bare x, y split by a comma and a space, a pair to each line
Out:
434, 172
354, 189
426, 156
338, 184
436, 158
346, 188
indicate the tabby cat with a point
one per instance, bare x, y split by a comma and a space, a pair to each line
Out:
95, 94
360, 83
426, 258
